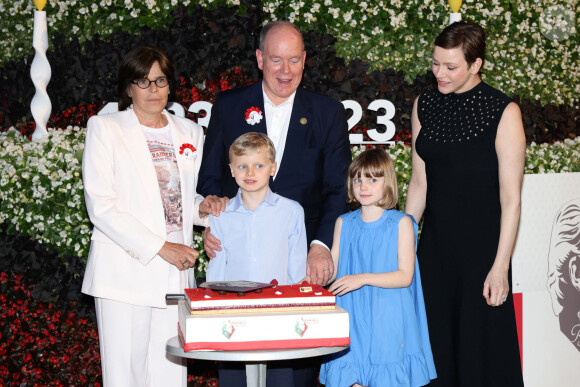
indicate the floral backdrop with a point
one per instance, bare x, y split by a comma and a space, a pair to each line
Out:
533, 48
361, 50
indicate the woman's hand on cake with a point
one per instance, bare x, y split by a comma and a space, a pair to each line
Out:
212, 205
180, 256
346, 283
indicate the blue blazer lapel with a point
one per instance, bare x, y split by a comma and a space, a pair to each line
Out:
255, 98
299, 135
135, 145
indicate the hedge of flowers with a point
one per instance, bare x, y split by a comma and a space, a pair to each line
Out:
48, 332
43, 223
533, 46
214, 50
526, 56
41, 345
41, 190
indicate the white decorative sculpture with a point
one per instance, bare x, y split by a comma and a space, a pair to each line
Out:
40, 72
455, 16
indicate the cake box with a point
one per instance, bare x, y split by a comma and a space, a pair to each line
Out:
263, 330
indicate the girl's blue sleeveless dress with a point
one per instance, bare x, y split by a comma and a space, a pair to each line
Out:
389, 340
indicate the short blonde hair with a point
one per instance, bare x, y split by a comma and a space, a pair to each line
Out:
374, 163
252, 142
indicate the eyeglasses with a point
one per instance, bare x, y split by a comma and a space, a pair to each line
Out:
145, 83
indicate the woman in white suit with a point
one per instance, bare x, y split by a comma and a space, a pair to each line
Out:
140, 169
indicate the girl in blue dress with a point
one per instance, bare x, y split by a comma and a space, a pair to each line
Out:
378, 283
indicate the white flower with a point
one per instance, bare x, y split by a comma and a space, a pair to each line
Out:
347, 16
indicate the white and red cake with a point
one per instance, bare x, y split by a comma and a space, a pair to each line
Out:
276, 318
280, 298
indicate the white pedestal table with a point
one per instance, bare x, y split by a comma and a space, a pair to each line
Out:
255, 360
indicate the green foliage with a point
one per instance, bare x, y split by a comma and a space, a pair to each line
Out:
533, 47
521, 58
41, 190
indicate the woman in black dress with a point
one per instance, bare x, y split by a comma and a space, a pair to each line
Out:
468, 161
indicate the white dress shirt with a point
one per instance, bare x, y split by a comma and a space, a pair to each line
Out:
260, 245
277, 123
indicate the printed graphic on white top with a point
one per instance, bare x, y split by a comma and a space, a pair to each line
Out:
165, 162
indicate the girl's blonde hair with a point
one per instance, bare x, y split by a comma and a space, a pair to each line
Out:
374, 163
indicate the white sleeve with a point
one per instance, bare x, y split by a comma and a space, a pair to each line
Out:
198, 198
98, 169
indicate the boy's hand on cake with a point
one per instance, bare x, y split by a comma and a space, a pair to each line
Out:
180, 256
210, 243
212, 205
346, 284
320, 266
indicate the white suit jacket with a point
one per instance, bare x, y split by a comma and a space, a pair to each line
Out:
124, 204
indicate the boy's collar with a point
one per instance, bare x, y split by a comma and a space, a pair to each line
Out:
269, 199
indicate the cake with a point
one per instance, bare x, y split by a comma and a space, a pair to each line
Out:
264, 330
278, 298
277, 317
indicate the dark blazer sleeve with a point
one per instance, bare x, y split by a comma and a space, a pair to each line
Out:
315, 160
214, 159
336, 159
227, 123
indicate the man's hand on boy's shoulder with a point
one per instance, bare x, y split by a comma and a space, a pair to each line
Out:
320, 266
212, 205
210, 243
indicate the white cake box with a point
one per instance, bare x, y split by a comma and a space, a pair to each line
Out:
273, 330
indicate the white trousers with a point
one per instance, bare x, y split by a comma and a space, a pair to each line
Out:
132, 342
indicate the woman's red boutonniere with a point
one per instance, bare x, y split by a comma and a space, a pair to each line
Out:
253, 115
187, 151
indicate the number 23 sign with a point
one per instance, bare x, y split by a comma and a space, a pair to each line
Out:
355, 138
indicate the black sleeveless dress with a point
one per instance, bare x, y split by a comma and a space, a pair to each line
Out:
473, 344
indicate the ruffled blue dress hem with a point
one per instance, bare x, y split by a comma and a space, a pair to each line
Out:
413, 371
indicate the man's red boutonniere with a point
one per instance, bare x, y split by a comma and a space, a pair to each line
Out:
187, 150
253, 116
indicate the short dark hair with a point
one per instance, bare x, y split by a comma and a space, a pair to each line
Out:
374, 163
277, 23
469, 36
136, 65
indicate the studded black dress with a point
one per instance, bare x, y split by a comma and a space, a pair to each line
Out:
473, 344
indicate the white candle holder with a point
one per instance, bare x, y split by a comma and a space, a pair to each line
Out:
40, 73
454, 17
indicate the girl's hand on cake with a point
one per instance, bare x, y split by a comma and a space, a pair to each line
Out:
346, 284
212, 205
180, 256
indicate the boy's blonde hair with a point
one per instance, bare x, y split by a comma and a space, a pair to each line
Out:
252, 142
374, 163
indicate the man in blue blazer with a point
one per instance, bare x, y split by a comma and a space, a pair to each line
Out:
309, 132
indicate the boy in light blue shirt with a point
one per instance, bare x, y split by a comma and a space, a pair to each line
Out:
262, 234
